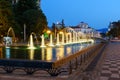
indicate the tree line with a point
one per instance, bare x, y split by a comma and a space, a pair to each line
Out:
114, 29
24, 12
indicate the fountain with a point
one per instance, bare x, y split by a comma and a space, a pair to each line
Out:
9, 40
32, 58
13, 34
43, 57
66, 38
31, 43
42, 41
58, 39
51, 41
62, 42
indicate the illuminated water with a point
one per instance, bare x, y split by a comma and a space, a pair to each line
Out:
45, 54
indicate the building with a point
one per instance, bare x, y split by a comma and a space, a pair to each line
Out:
85, 29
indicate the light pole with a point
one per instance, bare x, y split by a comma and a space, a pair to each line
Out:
24, 32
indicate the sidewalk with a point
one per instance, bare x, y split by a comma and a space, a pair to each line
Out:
107, 68
110, 67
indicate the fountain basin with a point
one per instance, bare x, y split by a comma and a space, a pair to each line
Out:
48, 54
31, 60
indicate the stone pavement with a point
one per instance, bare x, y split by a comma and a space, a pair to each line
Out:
108, 68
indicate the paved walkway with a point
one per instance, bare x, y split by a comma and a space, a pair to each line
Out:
108, 68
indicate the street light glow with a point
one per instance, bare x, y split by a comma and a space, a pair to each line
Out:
48, 31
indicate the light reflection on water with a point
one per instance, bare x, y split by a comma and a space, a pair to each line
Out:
45, 54
48, 53
59, 53
31, 51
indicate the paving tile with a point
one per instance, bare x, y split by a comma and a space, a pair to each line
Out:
104, 78
106, 71
111, 64
114, 76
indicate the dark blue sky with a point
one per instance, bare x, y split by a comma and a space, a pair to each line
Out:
97, 13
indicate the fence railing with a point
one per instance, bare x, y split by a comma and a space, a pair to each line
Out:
78, 59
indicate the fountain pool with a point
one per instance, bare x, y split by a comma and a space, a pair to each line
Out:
45, 54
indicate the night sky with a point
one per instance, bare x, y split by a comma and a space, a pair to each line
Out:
97, 13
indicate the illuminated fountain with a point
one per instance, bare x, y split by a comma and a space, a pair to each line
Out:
76, 35
31, 43
38, 57
72, 38
12, 32
69, 35
51, 40
58, 43
9, 40
66, 38
42, 41
63, 38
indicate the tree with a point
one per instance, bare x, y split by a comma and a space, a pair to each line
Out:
28, 12
54, 29
6, 16
35, 21
115, 30
63, 25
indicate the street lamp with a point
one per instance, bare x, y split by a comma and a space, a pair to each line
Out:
48, 31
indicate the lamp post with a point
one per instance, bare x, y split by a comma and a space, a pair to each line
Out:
24, 32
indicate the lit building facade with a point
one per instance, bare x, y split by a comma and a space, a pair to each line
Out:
84, 28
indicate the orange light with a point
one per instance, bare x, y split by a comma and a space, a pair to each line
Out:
48, 31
